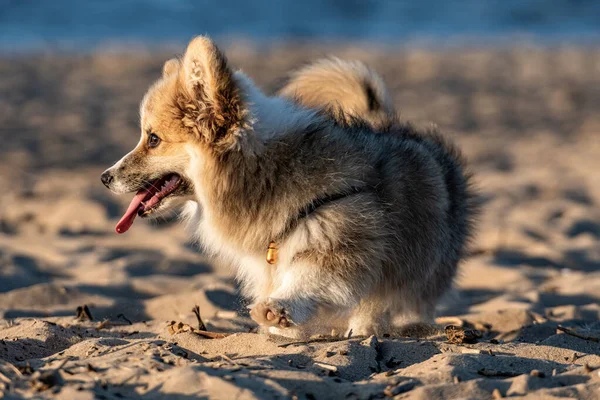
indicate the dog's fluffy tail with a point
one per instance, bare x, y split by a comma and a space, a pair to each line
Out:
347, 89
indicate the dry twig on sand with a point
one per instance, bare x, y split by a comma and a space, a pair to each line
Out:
106, 324
83, 313
317, 340
494, 373
109, 324
572, 332
402, 387
178, 327
196, 311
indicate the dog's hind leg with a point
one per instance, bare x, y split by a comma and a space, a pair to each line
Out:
371, 317
416, 319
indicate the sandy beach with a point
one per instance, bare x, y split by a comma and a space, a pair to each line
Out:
86, 313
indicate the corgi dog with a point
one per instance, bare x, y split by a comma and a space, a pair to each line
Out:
334, 215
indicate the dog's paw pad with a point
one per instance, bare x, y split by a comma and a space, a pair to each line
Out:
271, 315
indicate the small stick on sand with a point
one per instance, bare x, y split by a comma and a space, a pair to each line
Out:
107, 324
210, 335
317, 340
179, 327
228, 359
15, 369
327, 367
201, 325
83, 312
577, 335
494, 373
124, 318
4, 378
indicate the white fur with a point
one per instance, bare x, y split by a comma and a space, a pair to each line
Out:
271, 116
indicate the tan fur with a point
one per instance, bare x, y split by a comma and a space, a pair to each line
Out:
171, 66
346, 85
211, 101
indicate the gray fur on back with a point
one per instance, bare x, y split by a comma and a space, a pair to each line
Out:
392, 245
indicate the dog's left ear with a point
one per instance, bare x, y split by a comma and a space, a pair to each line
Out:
213, 105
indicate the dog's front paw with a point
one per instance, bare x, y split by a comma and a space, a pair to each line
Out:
270, 313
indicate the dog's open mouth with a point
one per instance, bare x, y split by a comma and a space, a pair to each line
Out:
148, 199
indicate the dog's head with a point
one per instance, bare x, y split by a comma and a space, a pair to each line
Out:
195, 108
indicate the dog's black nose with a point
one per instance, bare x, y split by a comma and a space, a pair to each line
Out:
106, 178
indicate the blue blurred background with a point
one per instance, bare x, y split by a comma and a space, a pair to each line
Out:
74, 24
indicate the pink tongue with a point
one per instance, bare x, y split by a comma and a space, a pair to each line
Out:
127, 219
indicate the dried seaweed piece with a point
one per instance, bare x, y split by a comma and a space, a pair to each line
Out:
458, 334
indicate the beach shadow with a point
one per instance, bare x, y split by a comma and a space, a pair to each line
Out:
132, 310
19, 313
26, 271
579, 195
584, 226
141, 267
495, 160
115, 253
224, 299
546, 333
515, 258
587, 260
145, 262
472, 297
107, 200
124, 291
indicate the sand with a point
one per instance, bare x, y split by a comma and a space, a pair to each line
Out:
526, 117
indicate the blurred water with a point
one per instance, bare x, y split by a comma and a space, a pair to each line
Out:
26, 24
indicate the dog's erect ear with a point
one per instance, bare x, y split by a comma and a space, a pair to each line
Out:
171, 66
214, 107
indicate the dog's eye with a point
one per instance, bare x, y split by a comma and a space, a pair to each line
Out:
153, 140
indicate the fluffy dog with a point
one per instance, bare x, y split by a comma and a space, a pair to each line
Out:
331, 221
